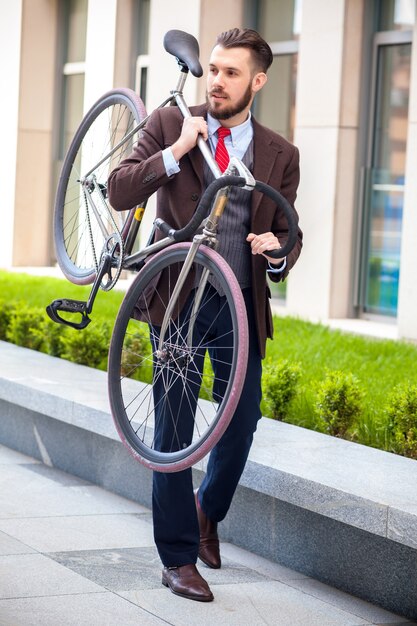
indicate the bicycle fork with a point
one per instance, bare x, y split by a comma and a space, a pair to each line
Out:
208, 236
197, 241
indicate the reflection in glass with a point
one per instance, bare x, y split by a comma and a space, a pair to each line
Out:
76, 20
277, 20
387, 179
276, 104
73, 109
396, 14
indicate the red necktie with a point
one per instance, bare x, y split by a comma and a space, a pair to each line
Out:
222, 155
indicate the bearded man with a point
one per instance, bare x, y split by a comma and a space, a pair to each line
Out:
167, 160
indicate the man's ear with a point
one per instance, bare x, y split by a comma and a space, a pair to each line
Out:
258, 81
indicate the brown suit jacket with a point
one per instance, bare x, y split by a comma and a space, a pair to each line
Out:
276, 162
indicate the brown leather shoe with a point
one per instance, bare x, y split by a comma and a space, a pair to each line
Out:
209, 549
186, 581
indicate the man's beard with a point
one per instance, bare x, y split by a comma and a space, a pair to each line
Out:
228, 112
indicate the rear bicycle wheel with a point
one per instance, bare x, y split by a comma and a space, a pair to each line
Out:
84, 221
172, 397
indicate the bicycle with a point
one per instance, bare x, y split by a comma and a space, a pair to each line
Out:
94, 244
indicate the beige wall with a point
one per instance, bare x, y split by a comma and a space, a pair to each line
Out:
10, 28
326, 134
346, 197
100, 47
216, 16
123, 48
33, 203
164, 71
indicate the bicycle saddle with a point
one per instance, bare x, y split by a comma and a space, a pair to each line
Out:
185, 48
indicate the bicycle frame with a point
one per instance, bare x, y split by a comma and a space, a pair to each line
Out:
125, 239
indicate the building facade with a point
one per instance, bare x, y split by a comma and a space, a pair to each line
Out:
343, 88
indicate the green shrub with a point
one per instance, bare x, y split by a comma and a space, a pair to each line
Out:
136, 356
24, 327
279, 385
372, 429
6, 311
402, 420
52, 337
88, 346
339, 402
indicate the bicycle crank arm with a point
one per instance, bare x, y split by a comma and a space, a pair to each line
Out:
68, 306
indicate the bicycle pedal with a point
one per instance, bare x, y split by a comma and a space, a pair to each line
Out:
68, 306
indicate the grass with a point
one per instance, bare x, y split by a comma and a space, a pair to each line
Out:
40, 291
378, 364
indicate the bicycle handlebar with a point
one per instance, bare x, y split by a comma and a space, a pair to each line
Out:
202, 210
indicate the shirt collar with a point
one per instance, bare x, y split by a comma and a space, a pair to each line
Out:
237, 132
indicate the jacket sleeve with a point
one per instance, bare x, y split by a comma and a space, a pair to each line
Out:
138, 176
290, 181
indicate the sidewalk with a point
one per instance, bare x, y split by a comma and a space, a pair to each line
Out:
72, 553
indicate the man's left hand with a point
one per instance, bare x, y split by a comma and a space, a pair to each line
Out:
266, 241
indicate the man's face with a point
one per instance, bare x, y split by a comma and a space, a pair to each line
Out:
230, 83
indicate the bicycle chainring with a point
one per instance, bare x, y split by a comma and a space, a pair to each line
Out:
113, 246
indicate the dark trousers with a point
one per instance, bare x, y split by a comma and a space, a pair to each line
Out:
176, 530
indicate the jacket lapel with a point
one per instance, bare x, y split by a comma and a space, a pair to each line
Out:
265, 154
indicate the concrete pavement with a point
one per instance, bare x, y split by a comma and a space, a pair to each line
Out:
72, 553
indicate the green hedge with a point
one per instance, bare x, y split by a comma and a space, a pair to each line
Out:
333, 401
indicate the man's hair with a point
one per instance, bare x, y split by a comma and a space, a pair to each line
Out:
250, 39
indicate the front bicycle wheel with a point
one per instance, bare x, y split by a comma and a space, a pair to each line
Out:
84, 221
174, 384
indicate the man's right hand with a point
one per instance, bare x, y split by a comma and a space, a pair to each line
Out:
191, 129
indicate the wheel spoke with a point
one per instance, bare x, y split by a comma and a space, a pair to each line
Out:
79, 240
188, 390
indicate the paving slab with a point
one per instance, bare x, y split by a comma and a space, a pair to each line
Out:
27, 492
9, 545
101, 609
82, 532
24, 575
344, 601
74, 554
259, 603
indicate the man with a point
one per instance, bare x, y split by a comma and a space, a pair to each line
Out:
167, 159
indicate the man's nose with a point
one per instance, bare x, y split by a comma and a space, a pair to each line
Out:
218, 80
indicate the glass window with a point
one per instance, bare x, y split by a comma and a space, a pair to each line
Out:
143, 26
396, 14
142, 47
387, 179
278, 20
279, 113
76, 27
73, 108
74, 31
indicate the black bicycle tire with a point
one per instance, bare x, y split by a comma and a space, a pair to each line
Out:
75, 274
177, 461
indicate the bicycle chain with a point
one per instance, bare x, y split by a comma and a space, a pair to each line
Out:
112, 280
90, 230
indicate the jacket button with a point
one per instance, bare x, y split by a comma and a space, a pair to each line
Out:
194, 197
